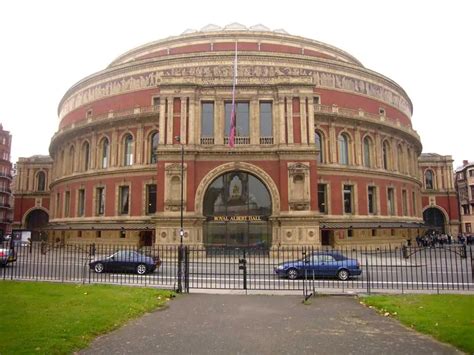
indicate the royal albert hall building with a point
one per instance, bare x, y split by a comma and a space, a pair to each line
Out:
325, 152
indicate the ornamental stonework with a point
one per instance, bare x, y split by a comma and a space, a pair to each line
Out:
256, 75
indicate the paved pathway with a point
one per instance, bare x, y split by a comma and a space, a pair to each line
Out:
257, 324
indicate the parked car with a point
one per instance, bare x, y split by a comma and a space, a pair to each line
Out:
126, 261
7, 255
320, 264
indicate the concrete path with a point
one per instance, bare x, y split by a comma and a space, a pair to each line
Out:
238, 324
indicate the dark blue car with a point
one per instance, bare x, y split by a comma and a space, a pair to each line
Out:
126, 261
320, 264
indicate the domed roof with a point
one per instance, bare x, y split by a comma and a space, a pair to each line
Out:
202, 40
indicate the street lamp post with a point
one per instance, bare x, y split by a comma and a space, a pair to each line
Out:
181, 230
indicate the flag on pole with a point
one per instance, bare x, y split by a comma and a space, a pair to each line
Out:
233, 113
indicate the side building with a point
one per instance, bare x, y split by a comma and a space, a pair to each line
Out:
32, 195
438, 194
465, 190
5, 183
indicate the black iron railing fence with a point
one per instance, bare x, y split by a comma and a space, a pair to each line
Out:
407, 269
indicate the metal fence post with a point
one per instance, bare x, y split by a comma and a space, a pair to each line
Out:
180, 269
186, 269
368, 272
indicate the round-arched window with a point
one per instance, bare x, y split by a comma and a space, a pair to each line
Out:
237, 206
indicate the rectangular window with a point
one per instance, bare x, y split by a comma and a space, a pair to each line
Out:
350, 233
322, 198
471, 173
468, 227
81, 202
124, 199
465, 209
371, 200
266, 124
122, 233
374, 232
151, 198
242, 131
390, 201
156, 103
67, 202
472, 192
98, 234
404, 203
317, 100
100, 201
207, 121
348, 198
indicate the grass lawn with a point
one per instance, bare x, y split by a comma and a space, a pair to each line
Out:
448, 318
49, 318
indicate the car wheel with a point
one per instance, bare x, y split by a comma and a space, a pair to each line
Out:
98, 268
141, 269
292, 274
343, 275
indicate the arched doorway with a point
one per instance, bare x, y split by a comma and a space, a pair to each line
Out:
35, 220
434, 219
237, 206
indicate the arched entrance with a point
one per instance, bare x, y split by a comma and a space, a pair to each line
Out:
35, 220
434, 219
237, 206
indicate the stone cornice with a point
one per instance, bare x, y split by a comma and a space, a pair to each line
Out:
113, 172
362, 171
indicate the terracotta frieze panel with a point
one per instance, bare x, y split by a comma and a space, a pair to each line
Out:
209, 74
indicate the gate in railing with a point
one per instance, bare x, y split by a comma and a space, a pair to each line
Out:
443, 269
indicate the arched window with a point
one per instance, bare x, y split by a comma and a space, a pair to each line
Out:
85, 156
400, 159
153, 145
128, 150
367, 152
343, 149
72, 154
319, 140
40, 181
104, 153
386, 155
429, 180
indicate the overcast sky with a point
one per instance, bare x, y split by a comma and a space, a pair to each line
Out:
426, 47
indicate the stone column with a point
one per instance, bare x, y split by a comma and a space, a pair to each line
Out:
194, 123
114, 148
219, 121
182, 119
332, 154
169, 120
140, 145
303, 120
162, 121
31, 179
93, 151
281, 120
289, 111
311, 119
254, 122
357, 146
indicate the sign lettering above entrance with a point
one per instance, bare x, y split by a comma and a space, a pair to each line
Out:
237, 218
